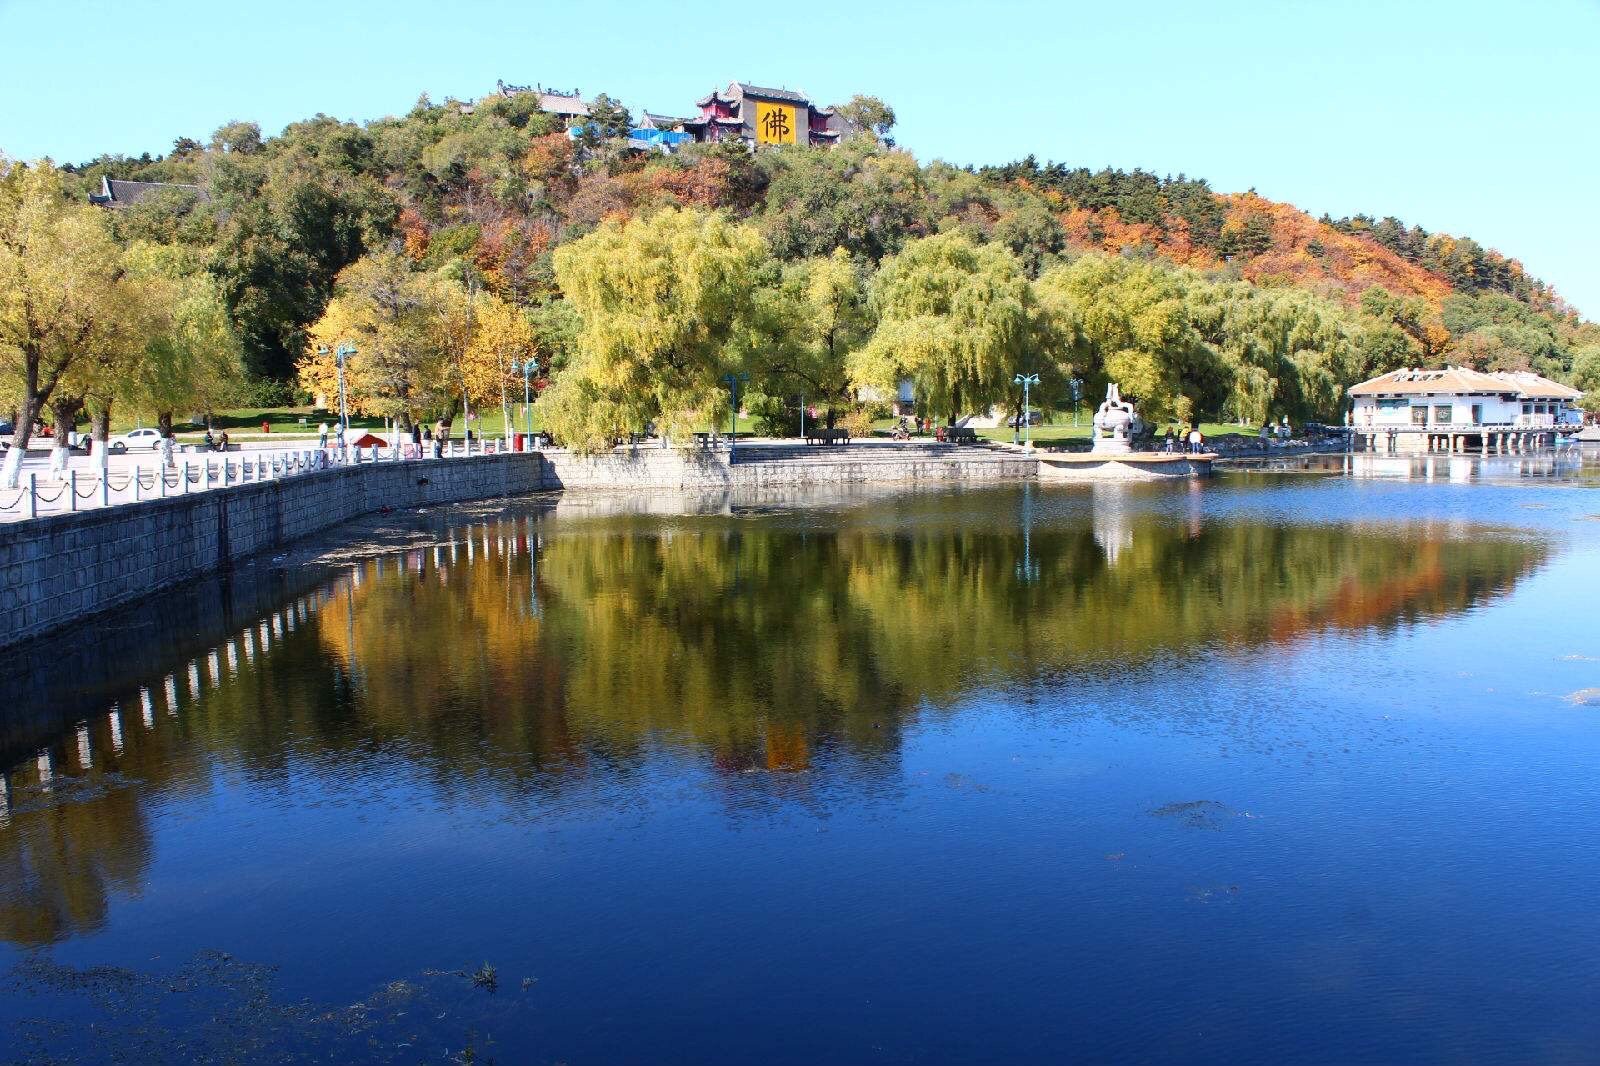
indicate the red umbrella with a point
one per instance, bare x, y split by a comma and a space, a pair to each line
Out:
370, 440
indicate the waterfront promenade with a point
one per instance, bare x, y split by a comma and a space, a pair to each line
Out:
56, 570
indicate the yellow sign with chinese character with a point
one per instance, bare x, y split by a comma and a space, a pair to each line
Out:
775, 124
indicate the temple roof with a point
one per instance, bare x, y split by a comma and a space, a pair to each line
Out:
551, 100
114, 192
757, 91
563, 104
736, 90
651, 121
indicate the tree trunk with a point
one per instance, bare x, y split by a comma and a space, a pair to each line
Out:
27, 415
101, 421
955, 404
64, 411
164, 423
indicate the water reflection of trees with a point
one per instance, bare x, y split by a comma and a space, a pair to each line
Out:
527, 655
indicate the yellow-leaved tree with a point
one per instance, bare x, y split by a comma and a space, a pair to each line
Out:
954, 318
67, 298
666, 304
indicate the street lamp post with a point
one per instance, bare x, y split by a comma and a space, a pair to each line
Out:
526, 368
733, 381
1026, 381
341, 355
1077, 393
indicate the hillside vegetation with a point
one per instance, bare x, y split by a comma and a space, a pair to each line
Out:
454, 240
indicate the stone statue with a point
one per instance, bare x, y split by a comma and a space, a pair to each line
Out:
1116, 423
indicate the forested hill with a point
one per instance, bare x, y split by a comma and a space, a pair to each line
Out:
1182, 219
500, 186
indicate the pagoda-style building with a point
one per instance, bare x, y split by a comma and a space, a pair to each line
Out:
763, 116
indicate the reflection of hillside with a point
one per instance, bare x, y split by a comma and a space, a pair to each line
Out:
528, 655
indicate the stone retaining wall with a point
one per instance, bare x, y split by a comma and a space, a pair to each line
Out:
61, 569
57, 570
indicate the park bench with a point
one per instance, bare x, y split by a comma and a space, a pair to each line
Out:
827, 436
956, 435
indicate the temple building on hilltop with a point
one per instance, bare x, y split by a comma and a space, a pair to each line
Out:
566, 105
1457, 409
763, 116
114, 193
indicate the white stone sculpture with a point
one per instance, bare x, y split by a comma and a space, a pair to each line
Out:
1116, 423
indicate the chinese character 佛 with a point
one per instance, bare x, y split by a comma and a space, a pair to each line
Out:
776, 124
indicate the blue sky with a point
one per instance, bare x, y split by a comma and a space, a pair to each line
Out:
1470, 117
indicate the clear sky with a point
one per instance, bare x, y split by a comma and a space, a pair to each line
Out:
1475, 117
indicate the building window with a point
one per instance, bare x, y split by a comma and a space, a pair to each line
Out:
1527, 408
1441, 415
1419, 415
1477, 414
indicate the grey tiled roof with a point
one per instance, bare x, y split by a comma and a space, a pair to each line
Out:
114, 191
772, 94
562, 104
652, 121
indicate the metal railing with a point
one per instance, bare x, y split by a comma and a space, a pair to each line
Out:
51, 492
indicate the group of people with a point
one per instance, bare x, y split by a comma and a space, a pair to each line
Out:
1270, 432
1194, 440
218, 443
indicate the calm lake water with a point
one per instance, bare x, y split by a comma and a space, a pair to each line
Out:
1290, 766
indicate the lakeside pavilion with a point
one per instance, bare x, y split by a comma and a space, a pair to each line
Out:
1458, 410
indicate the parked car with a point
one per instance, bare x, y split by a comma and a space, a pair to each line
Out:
1035, 418
7, 431
148, 439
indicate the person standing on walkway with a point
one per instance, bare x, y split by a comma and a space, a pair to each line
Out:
416, 440
1197, 440
322, 436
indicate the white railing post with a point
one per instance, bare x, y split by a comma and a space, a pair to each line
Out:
137, 487
33, 494
72, 489
185, 476
105, 486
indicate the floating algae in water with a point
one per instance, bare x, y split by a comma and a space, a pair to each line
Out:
1199, 814
219, 1009
1585, 697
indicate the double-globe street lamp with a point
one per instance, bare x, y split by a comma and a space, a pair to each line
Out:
527, 368
341, 355
1026, 381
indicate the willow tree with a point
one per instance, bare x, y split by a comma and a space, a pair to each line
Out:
1129, 322
667, 304
954, 318
65, 295
810, 323
192, 359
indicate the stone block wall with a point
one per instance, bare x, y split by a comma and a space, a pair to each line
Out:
58, 570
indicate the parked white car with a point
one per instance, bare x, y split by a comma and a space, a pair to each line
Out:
148, 439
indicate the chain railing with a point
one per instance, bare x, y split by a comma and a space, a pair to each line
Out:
65, 491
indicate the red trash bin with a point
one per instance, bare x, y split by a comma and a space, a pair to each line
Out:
516, 442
